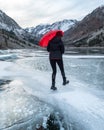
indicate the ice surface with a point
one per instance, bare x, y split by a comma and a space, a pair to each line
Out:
17, 106
81, 101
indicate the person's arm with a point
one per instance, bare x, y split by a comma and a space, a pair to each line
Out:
62, 47
48, 47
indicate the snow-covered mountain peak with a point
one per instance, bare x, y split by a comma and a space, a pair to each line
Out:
41, 29
64, 24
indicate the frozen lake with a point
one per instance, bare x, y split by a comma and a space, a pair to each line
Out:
26, 100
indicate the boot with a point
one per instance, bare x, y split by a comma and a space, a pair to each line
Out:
53, 86
65, 81
53, 82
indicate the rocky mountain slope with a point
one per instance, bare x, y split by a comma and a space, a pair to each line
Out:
12, 35
89, 31
7, 23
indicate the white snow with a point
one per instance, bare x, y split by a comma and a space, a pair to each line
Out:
81, 105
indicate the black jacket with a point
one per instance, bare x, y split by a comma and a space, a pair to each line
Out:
56, 48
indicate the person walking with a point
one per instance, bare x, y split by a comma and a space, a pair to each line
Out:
56, 50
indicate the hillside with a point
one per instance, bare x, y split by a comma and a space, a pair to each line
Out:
8, 40
12, 35
89, 31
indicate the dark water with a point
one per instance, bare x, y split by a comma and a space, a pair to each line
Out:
85, 50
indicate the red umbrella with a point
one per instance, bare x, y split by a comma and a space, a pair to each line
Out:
48, 36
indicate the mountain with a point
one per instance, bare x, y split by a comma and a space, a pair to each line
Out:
40, 30
84, 31
7, 23
9, 29
31, 35
87, 32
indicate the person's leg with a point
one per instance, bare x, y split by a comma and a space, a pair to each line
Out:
61, 66
53, 65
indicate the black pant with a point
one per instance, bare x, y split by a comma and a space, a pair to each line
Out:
53, 65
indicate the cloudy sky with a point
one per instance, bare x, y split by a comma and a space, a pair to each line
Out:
28, 13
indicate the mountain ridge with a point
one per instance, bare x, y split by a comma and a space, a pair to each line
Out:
41, 29
6, 20
87, 32
85, 28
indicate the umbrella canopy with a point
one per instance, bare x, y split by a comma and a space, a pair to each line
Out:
48, 36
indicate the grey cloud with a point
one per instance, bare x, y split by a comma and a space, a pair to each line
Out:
32, 12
